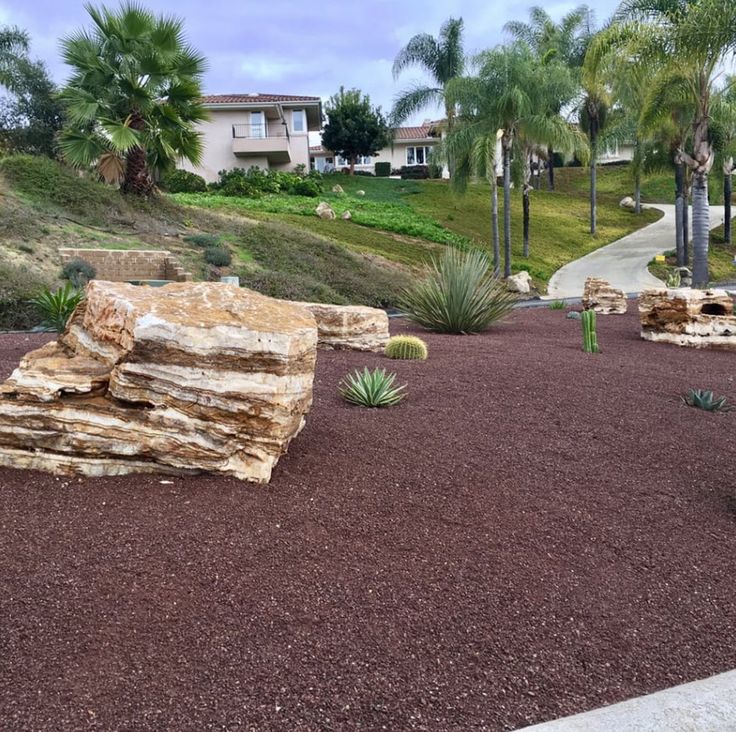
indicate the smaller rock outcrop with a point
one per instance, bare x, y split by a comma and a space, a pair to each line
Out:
520, 282
346, 216
360, 193
337, 188
627, 202
349, 327
686, 317
598, 295
324, 211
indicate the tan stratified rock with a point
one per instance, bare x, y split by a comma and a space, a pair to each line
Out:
686, 317
353, 327
324, 211
520, 282
184, 378
598, 295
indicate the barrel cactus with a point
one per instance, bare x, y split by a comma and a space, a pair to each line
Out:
408, 348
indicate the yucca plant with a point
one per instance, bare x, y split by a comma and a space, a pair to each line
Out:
371, 388
460, 295
557, 305
57, 306
405, 347
705, 399
674, 278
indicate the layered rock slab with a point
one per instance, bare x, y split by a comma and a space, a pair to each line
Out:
600, 296
185, 378
687, 317
349, 327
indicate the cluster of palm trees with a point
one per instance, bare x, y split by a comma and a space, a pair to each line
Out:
653, 75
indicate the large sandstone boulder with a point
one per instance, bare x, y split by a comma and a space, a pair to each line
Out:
184, 378
598, 295
627, 202
324, 211
349, 327
685, 317
520, 282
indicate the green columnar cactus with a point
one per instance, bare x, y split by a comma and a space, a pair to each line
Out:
590, 339
409, 348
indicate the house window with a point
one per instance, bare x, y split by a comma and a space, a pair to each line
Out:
359, 160
612, 149
257, 124
298, 121
417, 155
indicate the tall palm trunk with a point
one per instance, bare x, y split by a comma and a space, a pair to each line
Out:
506, 145
686, 220
550, 169
137, 179
679, 204
727, 193
701, 229
525, 205
593, 181
637, 177
494, 223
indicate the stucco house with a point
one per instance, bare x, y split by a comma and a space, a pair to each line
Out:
264, 130
411, 146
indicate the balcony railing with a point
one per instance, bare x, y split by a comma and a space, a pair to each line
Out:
259, 132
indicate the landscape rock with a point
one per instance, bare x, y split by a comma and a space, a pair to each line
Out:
337, 188
179, 379
573, 315
346, 216
349, 327
598, 295
627, 202
360, 193
520, 282
687, 317
324, 211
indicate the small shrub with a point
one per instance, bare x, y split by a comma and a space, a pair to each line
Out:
27, 248
56, 307
183, 181
590, 338
460, 295
557, 305
706, 400
674, 278
407, 348
202, 240
306, 187
383, 170
414, 172
218, 256
18, 287
78, 271
371, 388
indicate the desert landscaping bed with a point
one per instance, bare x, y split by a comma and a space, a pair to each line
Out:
534, 532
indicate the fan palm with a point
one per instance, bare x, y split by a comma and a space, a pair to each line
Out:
442, 59
134, 96
691, 40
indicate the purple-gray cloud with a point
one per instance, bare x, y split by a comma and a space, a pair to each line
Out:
284, 47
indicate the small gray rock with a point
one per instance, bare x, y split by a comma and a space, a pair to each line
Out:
573, 315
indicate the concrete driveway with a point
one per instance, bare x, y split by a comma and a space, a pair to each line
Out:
624, 263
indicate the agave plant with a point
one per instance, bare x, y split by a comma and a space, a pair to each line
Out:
460, 295
56, 307
371, 388
705, 399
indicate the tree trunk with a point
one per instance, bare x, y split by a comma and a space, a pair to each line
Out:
550, 169
679, 203
727, 193
593, 182
494, 224
686, 221
137, 179
352, 165
637, 193
506, 144
525, 205
701, 229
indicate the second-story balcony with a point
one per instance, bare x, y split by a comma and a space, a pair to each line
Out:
259, 140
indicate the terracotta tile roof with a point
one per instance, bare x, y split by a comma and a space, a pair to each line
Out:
318, 149
413, 133
255, 98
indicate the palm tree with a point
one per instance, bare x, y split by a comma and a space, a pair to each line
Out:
508, 97
690, 40
724, 137
134, 96
564, 42
442, 59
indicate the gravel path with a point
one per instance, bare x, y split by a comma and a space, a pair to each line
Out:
535, 532
624, 263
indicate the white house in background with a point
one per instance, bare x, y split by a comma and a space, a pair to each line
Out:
411, 146
264, 130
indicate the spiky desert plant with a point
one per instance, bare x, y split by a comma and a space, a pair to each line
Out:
406, 348
706, 400
371, 388
557, 305
590, 338
56, 307
674, 278
460, 295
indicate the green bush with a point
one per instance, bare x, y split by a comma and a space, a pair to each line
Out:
306, 187
383, 170
557, 305
460, 295
218, 256
18, 287
371, 388
407, 348
56, 307
183, 181
202, 240
254, 182
414, 172
78, 271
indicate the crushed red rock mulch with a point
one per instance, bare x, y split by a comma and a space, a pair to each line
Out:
534, 532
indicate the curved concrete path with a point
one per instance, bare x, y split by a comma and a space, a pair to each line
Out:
624, 263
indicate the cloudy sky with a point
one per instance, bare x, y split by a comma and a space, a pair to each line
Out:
290, 47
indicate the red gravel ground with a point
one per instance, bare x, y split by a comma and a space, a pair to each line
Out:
534, 532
